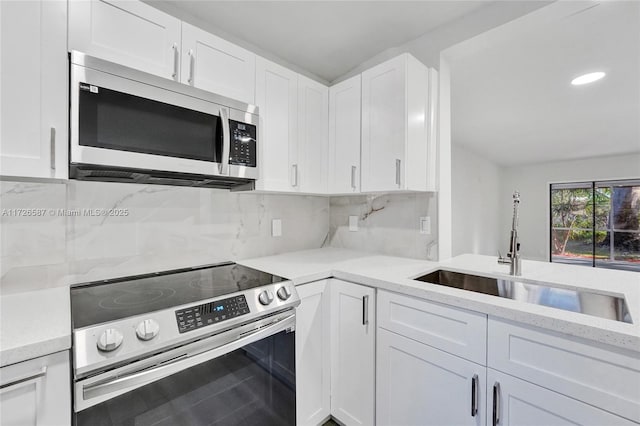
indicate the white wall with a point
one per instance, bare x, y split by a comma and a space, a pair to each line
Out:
475, 187
533, 183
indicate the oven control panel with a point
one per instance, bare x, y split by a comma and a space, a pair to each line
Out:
211, 313
243, 144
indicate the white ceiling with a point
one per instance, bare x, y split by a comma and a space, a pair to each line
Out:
511, 96
326, 38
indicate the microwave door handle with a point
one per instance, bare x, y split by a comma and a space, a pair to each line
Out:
226, 143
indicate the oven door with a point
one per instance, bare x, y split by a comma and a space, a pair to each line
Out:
245, 376
121, 122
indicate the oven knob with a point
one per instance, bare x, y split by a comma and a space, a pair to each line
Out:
284, 293
147, 329
109, 340
265, 297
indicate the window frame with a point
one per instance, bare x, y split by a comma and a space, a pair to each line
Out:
592, 185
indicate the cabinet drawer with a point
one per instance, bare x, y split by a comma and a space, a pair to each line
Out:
453, 330
36, 392
606, 377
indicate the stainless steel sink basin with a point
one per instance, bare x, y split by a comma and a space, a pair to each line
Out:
582, 301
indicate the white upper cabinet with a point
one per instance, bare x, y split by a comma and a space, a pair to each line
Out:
277, 99
34, 89
130, 33
313, 117
215, 65
344, 136
398, 126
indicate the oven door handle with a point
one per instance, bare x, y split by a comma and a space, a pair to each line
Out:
104, 390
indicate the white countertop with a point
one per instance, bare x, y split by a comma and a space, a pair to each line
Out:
396, 274
38, 323
33, 324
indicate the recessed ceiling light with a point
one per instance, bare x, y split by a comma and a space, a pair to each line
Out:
587, 78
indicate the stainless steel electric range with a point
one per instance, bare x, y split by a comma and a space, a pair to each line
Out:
202, 346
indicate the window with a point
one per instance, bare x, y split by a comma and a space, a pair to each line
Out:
596, 224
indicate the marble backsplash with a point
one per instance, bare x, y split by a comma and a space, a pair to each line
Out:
387, 224
55, 234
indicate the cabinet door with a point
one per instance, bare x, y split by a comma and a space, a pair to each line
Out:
36, 392
383, 125
34, 90
352, 353
313, 119
511, 401
277, 99
214, 64
420, 385
127, 32
312, 354
344, 136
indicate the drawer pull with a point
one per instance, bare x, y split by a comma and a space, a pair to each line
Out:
474, 395
496, 404
365, 310
25, 378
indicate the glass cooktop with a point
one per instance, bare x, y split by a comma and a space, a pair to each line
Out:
103, 301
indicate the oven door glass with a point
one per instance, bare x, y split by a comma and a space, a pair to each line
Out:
253, 385
111, 119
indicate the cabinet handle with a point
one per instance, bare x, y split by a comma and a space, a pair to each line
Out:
365, 310
294, 175
192, 65
353, 177
25, 378
398, 163
176, 58
474, 395
52, 144
496, 404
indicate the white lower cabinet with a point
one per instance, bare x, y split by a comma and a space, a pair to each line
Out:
422, 376
36, 392
421, 385
512, 401
353, 327
312, 354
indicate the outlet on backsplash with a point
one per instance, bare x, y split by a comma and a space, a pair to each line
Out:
353, 223
425, 225
276, 228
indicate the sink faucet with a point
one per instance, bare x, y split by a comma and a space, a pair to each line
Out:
513, 257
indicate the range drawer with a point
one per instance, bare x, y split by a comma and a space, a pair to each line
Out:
601, 375
453, 330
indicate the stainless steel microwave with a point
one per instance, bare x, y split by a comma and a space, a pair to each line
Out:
130, 126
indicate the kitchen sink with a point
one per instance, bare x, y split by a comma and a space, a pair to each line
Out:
582, 301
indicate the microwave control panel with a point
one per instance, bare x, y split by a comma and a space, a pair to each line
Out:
243, 144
